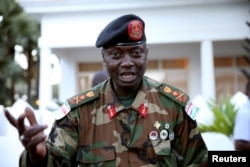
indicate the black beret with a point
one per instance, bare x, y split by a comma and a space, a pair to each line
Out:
124, 30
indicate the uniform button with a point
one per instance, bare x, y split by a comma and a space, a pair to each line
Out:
166, 126
153, 135
171, 136
163, 134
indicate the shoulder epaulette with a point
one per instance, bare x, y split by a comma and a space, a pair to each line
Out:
170, 91
75, 101
82, 98
153, 82
175, 94
181, 98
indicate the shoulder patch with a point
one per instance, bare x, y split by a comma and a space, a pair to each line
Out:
174, 94
192, 110
75, 101
63, 110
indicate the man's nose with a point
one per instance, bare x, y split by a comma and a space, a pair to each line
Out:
127, 60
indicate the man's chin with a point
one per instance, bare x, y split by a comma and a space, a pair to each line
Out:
130, 84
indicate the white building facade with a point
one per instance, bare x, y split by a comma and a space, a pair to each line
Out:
195, 45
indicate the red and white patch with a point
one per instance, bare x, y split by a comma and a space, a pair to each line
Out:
111, 111
62, 111
135, 30
143, 110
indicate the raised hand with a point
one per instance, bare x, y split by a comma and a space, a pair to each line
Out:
31, 136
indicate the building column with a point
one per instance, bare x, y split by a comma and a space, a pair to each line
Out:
69, 78
194, 74
207, 70
45, 88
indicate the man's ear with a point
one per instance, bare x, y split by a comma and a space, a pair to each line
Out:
103, 60
104, 64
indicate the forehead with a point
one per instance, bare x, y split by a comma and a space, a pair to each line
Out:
127, 47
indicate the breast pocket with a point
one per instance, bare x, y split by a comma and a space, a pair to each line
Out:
163, 152
162, 147
98, 157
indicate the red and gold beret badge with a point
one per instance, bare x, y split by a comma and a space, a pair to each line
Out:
135, 30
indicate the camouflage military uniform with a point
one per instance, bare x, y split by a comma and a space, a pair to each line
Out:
100, 131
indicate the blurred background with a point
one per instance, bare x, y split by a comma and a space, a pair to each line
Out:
47, 54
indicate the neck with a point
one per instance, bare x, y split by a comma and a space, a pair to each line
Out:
125, 92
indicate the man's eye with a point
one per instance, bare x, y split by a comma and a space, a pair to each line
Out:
136, 53
115, 54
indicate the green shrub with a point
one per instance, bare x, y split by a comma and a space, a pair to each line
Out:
224, 114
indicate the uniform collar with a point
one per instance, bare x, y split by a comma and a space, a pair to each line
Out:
140, 103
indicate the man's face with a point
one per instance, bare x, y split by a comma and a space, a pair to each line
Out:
126, 65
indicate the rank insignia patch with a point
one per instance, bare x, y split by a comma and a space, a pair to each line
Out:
175, 94
167, 89
90, 94
82, 98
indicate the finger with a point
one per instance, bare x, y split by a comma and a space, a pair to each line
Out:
31, 132
20, 124
30, 116
10, 118
24, 140
35, 141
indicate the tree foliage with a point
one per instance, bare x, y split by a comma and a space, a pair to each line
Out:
17, 28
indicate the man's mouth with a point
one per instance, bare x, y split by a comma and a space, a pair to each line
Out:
127, 76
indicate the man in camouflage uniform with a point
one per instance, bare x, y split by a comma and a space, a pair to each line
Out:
127, 120
99, 76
